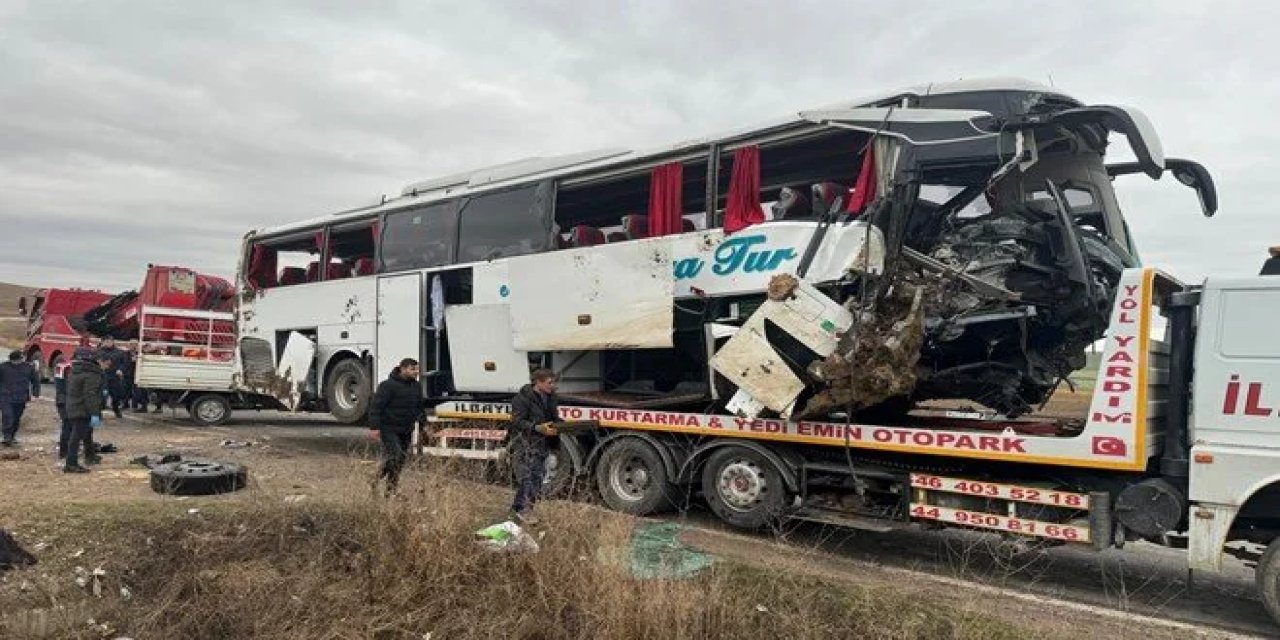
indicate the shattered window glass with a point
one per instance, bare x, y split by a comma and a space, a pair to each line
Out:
500, 225
417, 238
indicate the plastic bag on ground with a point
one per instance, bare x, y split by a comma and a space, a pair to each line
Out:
507, 536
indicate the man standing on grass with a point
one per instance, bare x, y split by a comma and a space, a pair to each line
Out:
86, 386
117, 360
18, 383
532, 435
394, 413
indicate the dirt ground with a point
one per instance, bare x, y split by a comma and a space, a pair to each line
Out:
295, 459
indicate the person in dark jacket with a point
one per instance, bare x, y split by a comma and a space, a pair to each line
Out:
532, 435
60, 372
18, 383
396, 409
1272, 266
117, 360
86, 384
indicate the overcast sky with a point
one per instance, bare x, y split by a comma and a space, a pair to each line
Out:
136, 132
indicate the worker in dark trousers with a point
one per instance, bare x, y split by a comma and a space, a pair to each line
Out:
86, 386
60, 373
19, 382
128, 373
532, 436
114, 371
393, 415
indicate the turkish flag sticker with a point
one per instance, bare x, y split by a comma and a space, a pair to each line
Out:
1109, 446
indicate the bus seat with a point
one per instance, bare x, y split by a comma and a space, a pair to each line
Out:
616, 236
364, 266
584, 236
292, 275
313, 272
635, 226
791, 205
828, 197
337, 271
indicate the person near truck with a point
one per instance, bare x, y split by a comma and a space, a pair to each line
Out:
19, 382
117, 360
532, 435
60, 372
393, 415
86, 387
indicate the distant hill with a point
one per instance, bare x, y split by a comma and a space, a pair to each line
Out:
9, 294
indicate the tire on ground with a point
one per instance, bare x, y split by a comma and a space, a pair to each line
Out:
198, 478
743, 488
210, 409
348, 391
632, 478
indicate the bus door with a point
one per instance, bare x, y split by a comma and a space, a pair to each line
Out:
399, 320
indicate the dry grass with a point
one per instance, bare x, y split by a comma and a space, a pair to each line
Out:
356, 567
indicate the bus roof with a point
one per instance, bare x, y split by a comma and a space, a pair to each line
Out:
607, 162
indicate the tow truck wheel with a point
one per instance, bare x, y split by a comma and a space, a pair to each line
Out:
1267, 575
632, 478
743, 488
348, 391
210, 410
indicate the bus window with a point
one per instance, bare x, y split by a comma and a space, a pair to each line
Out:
504, 224
351, 250
284, 261
419, 237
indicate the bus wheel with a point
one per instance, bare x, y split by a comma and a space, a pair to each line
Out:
210, 409
1267, 576
348, 391
743, 488
632, 478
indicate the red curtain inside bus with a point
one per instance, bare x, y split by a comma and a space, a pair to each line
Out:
261, 273
742, 205
666, 192
864, 189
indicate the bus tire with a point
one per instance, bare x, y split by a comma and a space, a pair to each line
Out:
210, 409
632, 478
1267, 577
743, 488
348, 391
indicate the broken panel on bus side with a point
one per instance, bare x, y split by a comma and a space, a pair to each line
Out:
286, 380
581, 300
480, 349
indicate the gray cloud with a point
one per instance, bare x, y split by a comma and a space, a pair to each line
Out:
136, 132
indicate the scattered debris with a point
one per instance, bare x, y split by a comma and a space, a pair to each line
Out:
125, 593
193, 512
782, 286
12, 555
78, 553
10, 455
299, 497
149, 461
507, 536
762, 609
658, 554
236, 444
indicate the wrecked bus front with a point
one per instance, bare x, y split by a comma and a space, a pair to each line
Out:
1005, 245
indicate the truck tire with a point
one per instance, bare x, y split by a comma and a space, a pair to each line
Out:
1267, 577
210, 409
348, 391
632, 478
563, 468
743, 488
198, 478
